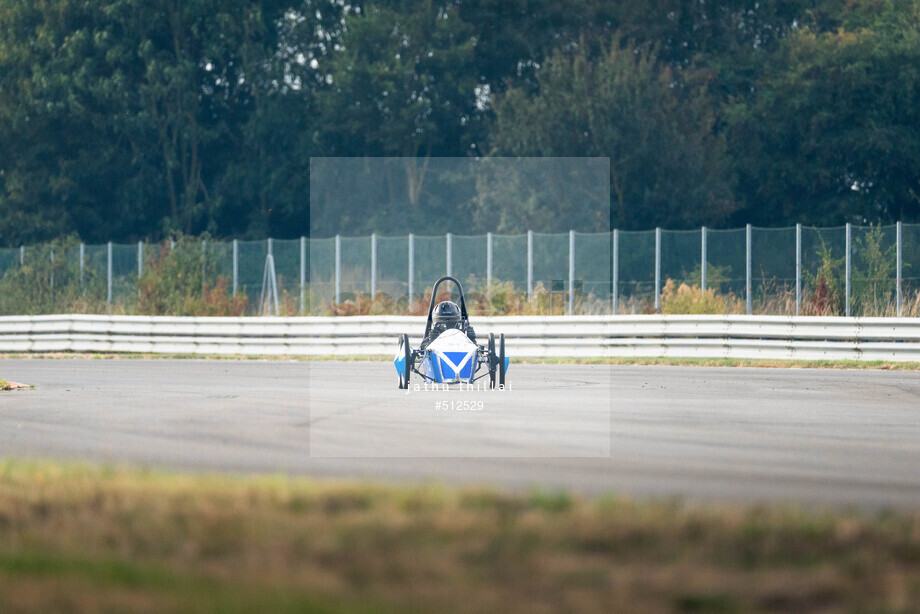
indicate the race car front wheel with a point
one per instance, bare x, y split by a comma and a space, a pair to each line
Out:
407, 364
501, 361
492, 365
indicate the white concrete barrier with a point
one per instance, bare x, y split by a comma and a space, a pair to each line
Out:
710, 336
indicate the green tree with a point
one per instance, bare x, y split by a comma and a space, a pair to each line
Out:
831, 134
657, 128
402, 84
116, 116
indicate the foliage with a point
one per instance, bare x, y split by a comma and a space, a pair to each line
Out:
114, 539
826, 287
873, 276
178, 279
124, 120
117, 115
829, 136
175, 281
716, 275
655, 125
362, 305
686, 299
50, 280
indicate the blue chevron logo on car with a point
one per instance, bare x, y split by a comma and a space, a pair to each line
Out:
458, 362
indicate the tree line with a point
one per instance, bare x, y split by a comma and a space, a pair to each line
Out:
127, 120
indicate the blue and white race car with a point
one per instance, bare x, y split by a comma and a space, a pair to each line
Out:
449, 353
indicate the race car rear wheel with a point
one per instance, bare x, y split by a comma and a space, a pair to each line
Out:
407, 365
492, 363
501, 361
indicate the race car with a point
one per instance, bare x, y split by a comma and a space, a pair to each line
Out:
449, 354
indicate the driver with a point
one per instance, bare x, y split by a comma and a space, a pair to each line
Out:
447, 315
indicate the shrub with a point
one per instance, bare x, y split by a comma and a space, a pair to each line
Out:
684, 299
179, 279
50, 281
824, 294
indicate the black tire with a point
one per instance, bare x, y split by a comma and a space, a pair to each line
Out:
501, 361
403, 380
492, 365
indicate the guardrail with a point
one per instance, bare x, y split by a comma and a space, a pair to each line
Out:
770, 337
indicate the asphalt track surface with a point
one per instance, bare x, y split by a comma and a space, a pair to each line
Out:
836, 437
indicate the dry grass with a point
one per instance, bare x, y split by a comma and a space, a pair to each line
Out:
88, 539
502, 298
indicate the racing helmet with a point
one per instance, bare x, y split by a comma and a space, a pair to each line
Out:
447, 314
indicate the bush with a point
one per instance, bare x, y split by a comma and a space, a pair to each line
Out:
50, 281
684, 299
179, 280
824, 294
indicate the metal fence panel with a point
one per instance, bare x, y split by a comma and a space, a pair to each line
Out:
355, 263
872, 288
551, 268
823, 263
393, 267
322, 274
910, 274
9, 258
430, 262
468, 260
874, 276
636, 273
725, 261
509, 260
593, 273
286, 254
773, 269
680, 256
95, 269
219, 257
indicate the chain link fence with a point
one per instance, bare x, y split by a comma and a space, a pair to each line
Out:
859, 271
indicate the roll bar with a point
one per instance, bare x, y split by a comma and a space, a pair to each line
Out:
434, 295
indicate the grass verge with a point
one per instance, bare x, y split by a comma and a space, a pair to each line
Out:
83, 538
651, 361
5, 385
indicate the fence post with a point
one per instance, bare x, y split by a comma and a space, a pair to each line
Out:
747, 267
571, 272
411, 265
269, 284
898, 264
657, 269
488, 259
798, 269
449, 250
529, 265
236, 265
373, 265
847, 282
616, 269
274, 276
303, 275
338, 268
22, 255
82, 257
52, 272
703, 259
109, 273
140, 259
204, 258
